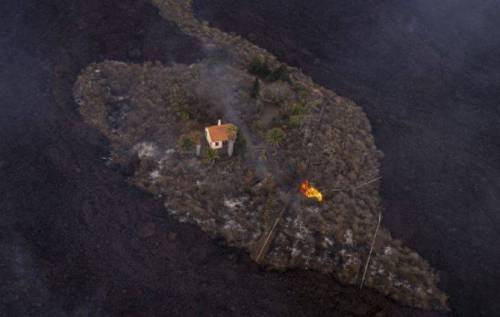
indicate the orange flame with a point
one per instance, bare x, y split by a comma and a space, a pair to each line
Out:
310, 192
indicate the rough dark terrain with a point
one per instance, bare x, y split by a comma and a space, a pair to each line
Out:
75, 239
427, 74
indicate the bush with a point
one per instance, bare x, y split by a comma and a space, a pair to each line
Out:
257, 127
255, 89
241, 143
186, 144
210, 155
280, 73
179, 101
295, 121
275, 136
299, 109
301, 91
276, 93
262, 70
259, 68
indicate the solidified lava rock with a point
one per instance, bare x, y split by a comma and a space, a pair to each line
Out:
289, 130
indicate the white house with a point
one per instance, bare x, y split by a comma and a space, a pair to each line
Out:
221, 134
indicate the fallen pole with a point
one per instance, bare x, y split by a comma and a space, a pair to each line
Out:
271, 232
371, 250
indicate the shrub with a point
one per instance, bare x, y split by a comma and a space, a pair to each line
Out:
259, 68
276, 93
184, 115
275, 136
262, 70
232, 132
186, 144
255, 89
210, 155
279, 73
295, 121
179, 101
301, 90
241, 143
257, 127
299, 109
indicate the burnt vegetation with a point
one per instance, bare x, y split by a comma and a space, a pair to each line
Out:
261, 69
326, 139
157, 114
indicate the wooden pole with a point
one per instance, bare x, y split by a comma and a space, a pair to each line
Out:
371, 250
271, 232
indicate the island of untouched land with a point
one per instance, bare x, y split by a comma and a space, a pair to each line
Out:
289, 130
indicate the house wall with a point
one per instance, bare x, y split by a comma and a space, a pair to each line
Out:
212, 144
216, 145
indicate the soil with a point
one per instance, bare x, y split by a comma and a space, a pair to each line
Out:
426, 75
75, 238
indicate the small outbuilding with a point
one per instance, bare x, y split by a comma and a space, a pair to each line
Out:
221, 135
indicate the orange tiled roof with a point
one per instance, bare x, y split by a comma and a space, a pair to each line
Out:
221, 132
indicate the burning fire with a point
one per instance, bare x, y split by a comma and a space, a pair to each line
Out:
310, 192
